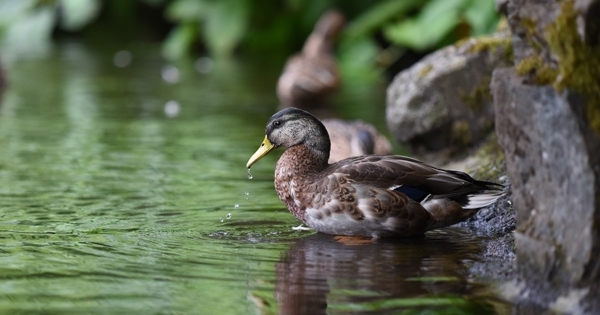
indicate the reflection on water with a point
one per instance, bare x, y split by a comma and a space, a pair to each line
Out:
321, 275
125, 193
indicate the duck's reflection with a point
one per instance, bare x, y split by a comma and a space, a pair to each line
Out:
321, 274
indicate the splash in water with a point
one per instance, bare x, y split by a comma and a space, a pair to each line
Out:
249, 175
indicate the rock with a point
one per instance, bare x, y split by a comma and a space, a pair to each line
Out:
548, 123
496, 220
444, 99
553, 160
539, 130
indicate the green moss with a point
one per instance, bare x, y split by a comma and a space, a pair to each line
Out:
578, 63
530, 33
535, 67
425, 70
503, 25
493, 44
480, 95
461, 133
463, 41
491, 163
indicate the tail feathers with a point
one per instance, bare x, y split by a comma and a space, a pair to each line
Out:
482, 199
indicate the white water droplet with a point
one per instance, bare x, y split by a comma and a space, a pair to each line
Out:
236, 206
249, 175
221, 220
228, 216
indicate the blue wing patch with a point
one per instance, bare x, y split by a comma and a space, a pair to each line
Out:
413, 193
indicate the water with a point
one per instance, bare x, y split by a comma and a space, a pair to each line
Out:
123, 191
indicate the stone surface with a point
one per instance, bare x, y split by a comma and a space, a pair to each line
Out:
496, 220
553, 161
444, 99
548, 123
527, 17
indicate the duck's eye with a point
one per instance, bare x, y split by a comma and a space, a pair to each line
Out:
277, 123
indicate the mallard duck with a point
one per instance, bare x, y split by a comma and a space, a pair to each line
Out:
311, 75
370, 196
354, 138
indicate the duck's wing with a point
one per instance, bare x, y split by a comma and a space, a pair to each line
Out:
411, 177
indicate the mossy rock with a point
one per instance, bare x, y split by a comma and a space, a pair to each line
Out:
569, 64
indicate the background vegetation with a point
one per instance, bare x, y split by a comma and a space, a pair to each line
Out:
377, 36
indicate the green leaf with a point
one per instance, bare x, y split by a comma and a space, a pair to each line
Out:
226, 25
78, 13
357, 57
188, 10
178, 42
438, 8
437, 19
482, 16
412, 34
361, 51
406, 33
380, 14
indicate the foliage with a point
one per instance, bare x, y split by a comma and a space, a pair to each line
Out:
225, 27
220, 24
438, 19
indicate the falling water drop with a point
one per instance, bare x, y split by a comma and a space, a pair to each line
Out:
249, 175
236, 206
228, 216
221, 220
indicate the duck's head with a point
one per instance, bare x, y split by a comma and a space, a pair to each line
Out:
293, 127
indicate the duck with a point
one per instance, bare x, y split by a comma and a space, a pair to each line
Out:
354, 138
311, 76
373, 196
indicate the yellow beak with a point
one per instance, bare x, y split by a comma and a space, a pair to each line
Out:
264, 148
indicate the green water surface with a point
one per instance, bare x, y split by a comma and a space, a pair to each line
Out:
109, 205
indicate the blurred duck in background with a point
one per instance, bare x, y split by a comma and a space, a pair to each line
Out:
309, 77
308, 80
354, 138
